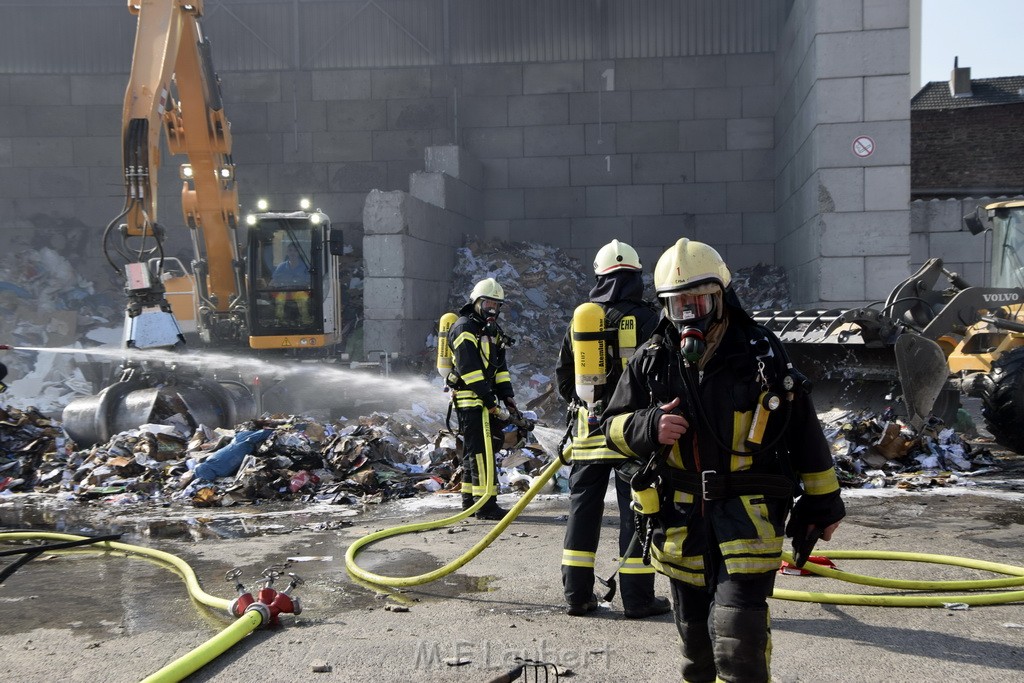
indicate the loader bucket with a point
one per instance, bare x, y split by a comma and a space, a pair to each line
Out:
851, 358
923, 373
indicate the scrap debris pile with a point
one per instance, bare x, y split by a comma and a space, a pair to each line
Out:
378, 457
543, 285
762, 287
294, 458
880, 451
44, 302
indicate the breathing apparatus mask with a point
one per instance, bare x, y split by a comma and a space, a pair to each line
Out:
692, 311
488, 310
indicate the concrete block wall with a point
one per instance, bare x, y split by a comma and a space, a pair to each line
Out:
842, 72
646, 151
409, 248
750, 152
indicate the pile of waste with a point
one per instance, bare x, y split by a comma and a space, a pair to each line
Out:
45, 303
880, 451
762, 287
377, 458
543, 285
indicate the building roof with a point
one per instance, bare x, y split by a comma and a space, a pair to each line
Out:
984, 92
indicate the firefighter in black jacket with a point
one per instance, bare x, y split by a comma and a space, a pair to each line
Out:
734, 437
629, 321
481, 380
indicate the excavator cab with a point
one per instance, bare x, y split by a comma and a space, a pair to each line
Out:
294, 295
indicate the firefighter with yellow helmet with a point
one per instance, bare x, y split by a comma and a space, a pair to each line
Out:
721, 436
482, 390
603, 335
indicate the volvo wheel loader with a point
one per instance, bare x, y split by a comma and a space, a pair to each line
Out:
935, 338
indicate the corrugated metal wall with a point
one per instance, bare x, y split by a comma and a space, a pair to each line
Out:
95, 36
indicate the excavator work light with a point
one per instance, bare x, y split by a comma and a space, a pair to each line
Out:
304, 204
250, 219
262, 204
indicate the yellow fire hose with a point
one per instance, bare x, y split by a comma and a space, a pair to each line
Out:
200, 656
910, 600
405, 581
1015, 573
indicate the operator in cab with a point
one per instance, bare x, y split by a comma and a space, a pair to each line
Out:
293, 275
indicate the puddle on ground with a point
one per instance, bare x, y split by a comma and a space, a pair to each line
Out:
98, 595
101, 595
172, 523
1005, 518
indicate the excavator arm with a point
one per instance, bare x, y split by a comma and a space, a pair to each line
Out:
235, 301
174, 89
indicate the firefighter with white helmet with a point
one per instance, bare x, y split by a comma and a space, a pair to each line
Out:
721, 435
604, 333
480, 380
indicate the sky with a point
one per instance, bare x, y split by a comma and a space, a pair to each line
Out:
986, 34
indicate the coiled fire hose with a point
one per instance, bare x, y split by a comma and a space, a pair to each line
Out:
1015, 574
200, 656
489, 477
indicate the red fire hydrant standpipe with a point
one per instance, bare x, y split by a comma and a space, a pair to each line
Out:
251, 612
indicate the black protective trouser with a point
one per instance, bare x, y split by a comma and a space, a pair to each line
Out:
725, 630
588, 483
474, 453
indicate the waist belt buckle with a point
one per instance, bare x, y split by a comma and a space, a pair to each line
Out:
704, 483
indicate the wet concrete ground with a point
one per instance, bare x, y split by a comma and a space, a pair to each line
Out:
104, 617
91, 616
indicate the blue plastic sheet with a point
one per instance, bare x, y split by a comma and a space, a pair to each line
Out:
225, 462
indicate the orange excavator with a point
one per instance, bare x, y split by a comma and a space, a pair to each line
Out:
236, 295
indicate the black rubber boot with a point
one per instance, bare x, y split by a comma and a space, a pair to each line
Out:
467, 501
698, 652
579, 609
491, 510
742, 644
654, 608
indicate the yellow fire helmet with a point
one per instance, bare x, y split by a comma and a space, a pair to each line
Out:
615, 256
689, 264
488, 289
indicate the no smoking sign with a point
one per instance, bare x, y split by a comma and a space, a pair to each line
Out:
863, 146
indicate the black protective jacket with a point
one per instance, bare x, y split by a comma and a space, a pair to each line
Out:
478, 360
703, 501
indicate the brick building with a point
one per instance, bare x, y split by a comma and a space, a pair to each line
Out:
966, 149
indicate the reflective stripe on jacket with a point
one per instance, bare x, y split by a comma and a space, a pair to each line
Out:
478, 362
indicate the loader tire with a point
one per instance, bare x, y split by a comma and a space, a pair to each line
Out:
1003, 400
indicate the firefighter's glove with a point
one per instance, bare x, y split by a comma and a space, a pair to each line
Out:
817, 511
510, 403
810, 518
500, 413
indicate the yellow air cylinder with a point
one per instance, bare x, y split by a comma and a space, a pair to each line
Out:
589, 350
444, 348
